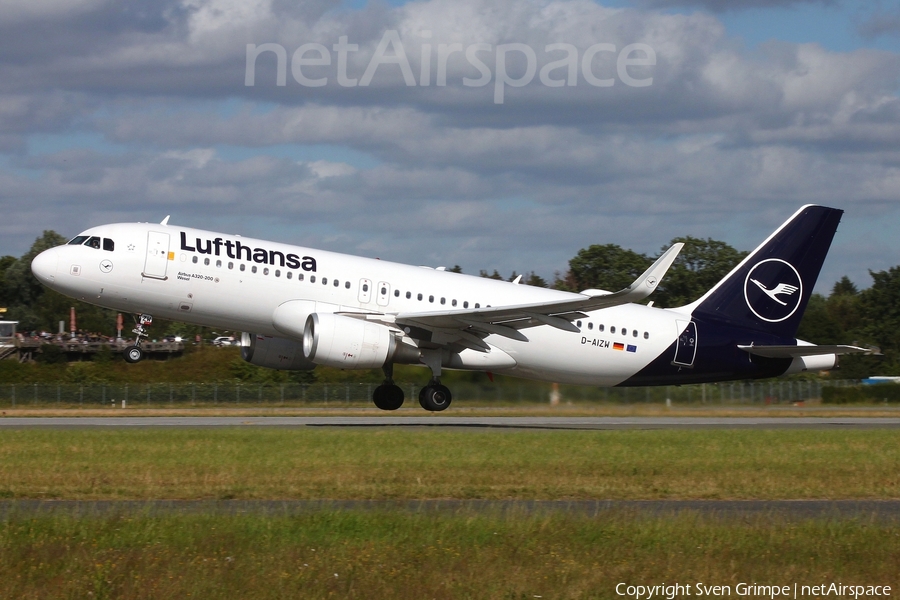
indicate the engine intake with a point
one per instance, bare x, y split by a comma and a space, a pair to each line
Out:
347, 343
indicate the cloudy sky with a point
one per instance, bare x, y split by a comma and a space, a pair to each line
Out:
502, 134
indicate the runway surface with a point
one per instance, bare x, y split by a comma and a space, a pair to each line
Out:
881, 510
578, 423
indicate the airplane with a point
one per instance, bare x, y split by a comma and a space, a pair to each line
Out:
300, 308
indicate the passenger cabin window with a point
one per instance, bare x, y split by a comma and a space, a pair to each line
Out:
109, 245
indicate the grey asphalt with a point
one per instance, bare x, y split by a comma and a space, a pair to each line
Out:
440, 421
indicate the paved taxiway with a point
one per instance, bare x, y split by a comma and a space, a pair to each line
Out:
586, 423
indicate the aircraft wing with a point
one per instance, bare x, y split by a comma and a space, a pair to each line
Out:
469, 327
805, 350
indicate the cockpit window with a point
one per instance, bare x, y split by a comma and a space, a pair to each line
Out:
78, 240
94, 242
108, 244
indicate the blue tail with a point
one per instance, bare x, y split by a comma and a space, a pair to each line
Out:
769, 290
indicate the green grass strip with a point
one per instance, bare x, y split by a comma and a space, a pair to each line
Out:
371, 555
306, 463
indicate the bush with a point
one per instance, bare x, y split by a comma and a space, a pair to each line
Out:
880, 393
50, 354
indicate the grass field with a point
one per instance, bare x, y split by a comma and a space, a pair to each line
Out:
310, 463
465, 554
387, 555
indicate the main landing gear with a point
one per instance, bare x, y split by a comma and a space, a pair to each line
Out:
135, 353
433, 397
388, 395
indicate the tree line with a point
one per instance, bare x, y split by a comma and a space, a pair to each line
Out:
846, 315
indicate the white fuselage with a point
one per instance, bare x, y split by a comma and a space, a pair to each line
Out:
237, 283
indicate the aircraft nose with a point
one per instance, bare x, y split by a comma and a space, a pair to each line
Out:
44, 265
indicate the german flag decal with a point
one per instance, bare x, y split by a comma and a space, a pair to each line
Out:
618, 346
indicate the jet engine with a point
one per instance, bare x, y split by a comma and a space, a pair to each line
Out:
274, 353
348, 343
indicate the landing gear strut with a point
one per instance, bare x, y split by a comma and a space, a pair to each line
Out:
434, 396
388, 395
135, 353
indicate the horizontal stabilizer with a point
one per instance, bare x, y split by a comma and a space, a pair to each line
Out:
811, 350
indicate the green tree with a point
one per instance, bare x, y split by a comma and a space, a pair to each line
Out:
608, 267
535, 280
21, 288
5, 263
700, 265
880, 311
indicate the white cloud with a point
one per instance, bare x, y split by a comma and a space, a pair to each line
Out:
724, 143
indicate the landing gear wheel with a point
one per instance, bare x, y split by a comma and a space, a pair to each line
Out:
133, 354
435, 397
388, 397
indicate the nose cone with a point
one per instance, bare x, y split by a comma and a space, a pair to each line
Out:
44, 265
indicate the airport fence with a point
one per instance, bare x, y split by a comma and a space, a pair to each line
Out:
98, 395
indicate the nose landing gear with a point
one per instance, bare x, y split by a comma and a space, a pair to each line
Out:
135, 353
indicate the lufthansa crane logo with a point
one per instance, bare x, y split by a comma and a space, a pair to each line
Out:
773, 290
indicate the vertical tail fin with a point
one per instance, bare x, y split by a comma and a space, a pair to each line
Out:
768, 291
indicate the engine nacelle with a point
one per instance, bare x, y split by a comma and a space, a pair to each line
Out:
348, 343
274, 353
